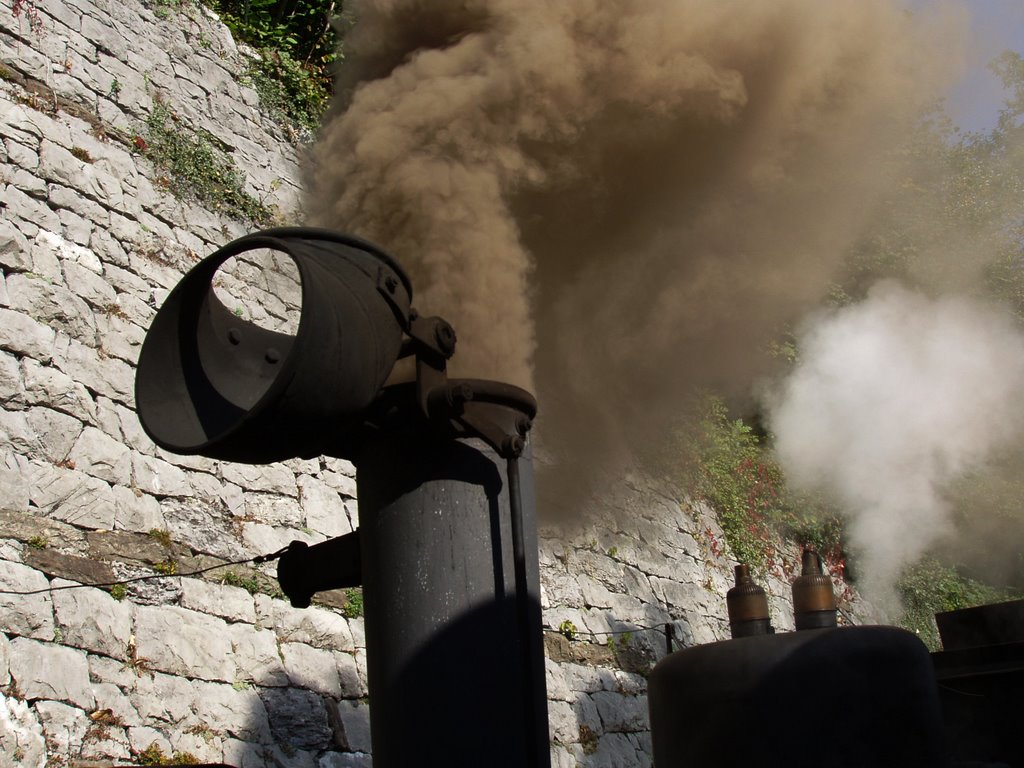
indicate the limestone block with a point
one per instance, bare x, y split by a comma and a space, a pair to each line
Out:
580, 678
586, 713
20, 729
24, 336
91, 287
47, 671
5, 660
72, 496
352, 725
561, 588
133, 290
554, 682
231, 603
110, 696
256, 655
360, 657
161, 698
272, 478
22, 155
680, 598
261, 538
184, 642
92, 620
562, 725
106, 745
322, 507
621, 713
143, 737
562, 757
353, 680
28, 615
64, 727
46, 385
28, 183
110, 251
62, 197
4, 298
11, 385
14, 248
638, 585
131, 430
204, 484
159, 477
618, 749
273, 509
55, 433
201, 524
340, 480
312, 626
29, 214
76, 229
297, 717
105, 37
98, 454
312, 668
135, 511
104, 375
58, 164
234, 713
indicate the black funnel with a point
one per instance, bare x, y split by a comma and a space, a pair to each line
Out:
211, 383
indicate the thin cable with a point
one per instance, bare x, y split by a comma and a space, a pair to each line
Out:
258, 559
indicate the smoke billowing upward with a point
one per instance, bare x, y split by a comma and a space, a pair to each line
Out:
614, 202
894, 399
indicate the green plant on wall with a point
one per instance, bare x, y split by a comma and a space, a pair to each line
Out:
196, 167
287, 89
353, 607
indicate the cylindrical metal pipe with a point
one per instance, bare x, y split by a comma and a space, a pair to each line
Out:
450, 680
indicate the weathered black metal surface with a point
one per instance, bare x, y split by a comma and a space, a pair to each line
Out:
304, 570
845, 698
450, 680
981, 682
983, 625
213, 384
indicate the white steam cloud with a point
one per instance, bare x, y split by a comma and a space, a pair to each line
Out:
893, 400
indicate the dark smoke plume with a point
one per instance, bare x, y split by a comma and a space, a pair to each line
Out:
614, 202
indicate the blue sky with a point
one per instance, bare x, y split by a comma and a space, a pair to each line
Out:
996, 25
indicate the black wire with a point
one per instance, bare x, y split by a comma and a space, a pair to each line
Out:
257, 559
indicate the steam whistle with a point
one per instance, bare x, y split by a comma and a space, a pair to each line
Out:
748, 606
814, 602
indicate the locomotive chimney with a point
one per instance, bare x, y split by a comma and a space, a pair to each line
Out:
446, 551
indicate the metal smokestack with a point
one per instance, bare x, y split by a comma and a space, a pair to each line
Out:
447, 548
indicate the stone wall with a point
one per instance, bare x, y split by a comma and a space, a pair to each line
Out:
217, 665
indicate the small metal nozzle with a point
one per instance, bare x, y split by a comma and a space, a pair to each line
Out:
814, 602
748, 606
